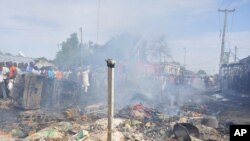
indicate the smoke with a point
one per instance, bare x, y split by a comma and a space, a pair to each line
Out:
139, 75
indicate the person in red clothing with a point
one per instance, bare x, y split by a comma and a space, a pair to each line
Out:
58, 74
12, 75
13, 71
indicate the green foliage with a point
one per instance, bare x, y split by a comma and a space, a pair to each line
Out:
201, 72
69, 55
8, 54
124, 47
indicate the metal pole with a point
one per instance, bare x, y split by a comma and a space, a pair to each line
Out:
81, 46
224, 34
111, 66
235, 54
223, 40
184, 59
81, 34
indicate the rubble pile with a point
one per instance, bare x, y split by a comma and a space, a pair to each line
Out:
131, 123
5, 104
143, 123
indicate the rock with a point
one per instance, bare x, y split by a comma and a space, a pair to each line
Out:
183, 120
117, 136
138, 114
71, 113
133, 122
81, 135
47, 133
149, 125
104, 122
195, 139
210, 121
208, 133
138, 137
7, 139
64, 126
54, 132
17, 133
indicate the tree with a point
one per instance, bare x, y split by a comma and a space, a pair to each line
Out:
8, 54
153, 49
68, 56
201, 73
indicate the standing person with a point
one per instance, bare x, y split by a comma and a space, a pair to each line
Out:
25, 67
12, 75
58, 74
51, 73
85, 80
66, 74
12, 71
18, 68
3, 78
44, 72
30, 67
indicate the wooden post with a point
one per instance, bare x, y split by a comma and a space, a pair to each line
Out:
111, 66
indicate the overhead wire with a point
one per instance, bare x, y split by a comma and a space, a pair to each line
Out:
222, 1
229, 32
98, 22
205, 63
25, 29
229, 4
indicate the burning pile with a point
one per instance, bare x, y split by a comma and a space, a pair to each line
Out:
135, 122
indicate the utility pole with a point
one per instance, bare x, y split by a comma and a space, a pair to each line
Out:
224, 34
81, 47
81, 34
222, 52
235, 54
111, 66
184, 58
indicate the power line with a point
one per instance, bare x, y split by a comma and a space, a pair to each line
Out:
229, 4
26, 29
203, 63
98, 22
221, 3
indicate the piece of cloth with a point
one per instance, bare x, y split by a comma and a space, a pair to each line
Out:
10, 84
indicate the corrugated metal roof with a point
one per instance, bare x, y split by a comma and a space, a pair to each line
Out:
18, 59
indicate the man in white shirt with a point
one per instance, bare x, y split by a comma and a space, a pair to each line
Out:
85, 80
3, 76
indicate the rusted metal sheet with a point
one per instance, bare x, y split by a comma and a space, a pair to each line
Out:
59, 93
32, 91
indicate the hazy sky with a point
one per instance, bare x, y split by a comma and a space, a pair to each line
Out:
36, 27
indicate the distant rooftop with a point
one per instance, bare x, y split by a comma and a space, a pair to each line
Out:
17, 59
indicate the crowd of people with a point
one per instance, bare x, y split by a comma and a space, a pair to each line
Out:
9, 71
